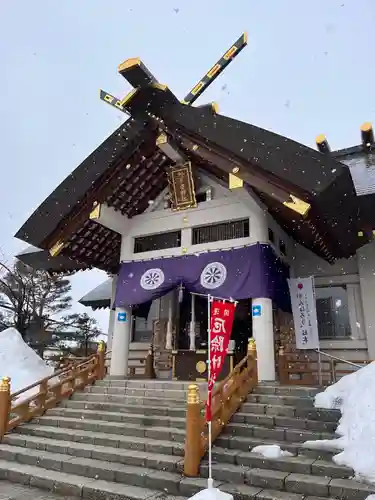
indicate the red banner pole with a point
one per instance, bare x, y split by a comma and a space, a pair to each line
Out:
210, 482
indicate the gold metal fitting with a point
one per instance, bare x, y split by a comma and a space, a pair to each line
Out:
101, 346
281, 350
129, 63
251, 346
366, 127
298, 205
235, 170
95, 212
193, 394
235, 182
56, 248
320, 138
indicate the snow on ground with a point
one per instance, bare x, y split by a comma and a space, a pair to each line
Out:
271, 451
354, 396
20, 363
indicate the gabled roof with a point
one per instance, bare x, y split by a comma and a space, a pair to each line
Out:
128, 170
42, 260
99, 297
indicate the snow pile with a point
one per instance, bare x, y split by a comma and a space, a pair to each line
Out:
271, 451
21, 363
354, 396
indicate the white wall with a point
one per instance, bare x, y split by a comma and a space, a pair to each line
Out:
366, 265
225, 206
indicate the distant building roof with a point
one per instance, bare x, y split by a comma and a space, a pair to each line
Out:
99, 297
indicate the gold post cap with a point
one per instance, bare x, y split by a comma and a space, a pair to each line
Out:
101, 346
193, 394
5, 384
251, 346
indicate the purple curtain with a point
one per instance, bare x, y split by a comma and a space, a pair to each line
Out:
249, 272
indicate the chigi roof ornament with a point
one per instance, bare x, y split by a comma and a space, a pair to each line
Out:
138, 75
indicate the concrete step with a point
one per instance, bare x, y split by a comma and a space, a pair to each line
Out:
97, 469
146, 384
98, 439
274, 399
280, 421
295, 391
291, 411
131, 418
291, 483
76, 486
121, 408
156, 432
241, 443
126, 399
170, 463
294, 464
157, 480
12, 491
277, 433
161, 394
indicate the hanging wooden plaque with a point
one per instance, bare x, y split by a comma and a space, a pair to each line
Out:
181, 187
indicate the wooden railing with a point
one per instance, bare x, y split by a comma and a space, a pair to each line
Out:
297, 369
48, 392
227, 397
147, 363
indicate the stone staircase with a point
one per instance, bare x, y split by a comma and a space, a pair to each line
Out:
125, 440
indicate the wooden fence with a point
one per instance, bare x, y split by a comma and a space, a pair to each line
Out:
303, 369
48, 392
227, 397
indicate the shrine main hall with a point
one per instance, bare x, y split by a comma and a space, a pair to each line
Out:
181, 203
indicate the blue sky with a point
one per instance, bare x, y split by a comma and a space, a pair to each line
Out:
307, 70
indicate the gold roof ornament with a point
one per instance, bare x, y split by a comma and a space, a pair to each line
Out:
298, 205
56, 248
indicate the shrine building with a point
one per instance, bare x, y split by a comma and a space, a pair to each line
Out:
181, 203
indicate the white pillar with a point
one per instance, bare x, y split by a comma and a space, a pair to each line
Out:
264, 338
111, 324
192, 324
168, 340
120, 342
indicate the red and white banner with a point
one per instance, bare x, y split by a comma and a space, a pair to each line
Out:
221, 323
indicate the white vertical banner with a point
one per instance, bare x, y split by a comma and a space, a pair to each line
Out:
302, 296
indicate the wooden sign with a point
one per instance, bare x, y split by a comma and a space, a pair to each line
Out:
181, 187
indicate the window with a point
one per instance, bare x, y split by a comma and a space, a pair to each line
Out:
221, 232
332, 308
158, 241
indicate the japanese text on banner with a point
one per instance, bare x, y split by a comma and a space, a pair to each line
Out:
304, 313
221, 323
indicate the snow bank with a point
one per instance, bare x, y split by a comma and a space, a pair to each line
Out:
21, 363
354, 396
271, 451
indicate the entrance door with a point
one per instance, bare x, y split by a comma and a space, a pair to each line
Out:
201, 322
242, 329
